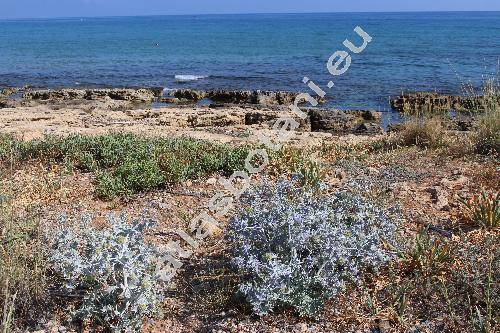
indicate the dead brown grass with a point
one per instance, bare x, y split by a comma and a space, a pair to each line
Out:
424, 132
487, 138
23, 268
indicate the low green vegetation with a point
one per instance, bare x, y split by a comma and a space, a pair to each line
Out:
483, 210
294, 161
458, 274
428, 257
125, 164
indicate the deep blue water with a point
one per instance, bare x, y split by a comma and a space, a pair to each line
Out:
409, 51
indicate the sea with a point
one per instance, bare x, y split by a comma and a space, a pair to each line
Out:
424, 51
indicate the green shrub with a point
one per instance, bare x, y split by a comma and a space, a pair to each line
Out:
7, 146
127, 164
107, 186
294, 161
137, 175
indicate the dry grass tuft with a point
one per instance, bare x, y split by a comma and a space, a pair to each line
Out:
424, 132
23, 268
487, 138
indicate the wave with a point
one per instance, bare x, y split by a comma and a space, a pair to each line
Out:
188, 78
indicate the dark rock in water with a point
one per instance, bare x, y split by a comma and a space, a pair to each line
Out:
133, 95
188, 94
435, 102
180, 96
216, 106
253, 97
157, 91
233, 97
45, 95
238, 96
6, 92
329, 120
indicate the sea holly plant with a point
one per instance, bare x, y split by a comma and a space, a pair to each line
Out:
114, 270
297, 247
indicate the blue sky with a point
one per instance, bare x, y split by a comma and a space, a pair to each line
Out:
67, 8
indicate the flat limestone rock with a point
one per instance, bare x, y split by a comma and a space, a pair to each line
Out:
436, 102
136, 95
259, 97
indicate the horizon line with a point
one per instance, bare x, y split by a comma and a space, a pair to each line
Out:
253, 13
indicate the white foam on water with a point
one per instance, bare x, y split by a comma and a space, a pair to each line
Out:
166, 91
188, 78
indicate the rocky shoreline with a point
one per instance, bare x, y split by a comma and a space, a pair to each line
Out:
188, 109
260, 97
406, 102
255, 109
436, 102
135, 95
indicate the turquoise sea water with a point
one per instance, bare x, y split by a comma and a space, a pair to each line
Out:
409, 51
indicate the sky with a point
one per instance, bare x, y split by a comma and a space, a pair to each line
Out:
90, 8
